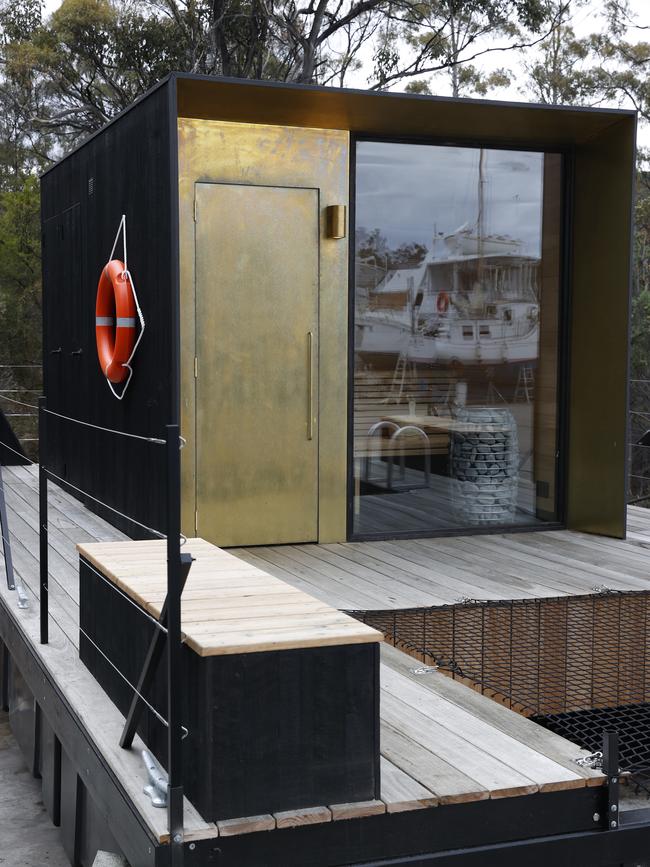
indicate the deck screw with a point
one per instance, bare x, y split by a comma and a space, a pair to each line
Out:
614, 780
614, 808
613, 824
178, 838
596, 817
192, 846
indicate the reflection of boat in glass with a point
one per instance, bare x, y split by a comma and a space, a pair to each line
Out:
455, 308
477, 310
380, 334
509, 335
472, 300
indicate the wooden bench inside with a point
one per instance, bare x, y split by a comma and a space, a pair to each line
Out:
377, 395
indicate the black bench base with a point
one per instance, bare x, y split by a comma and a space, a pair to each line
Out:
267, 731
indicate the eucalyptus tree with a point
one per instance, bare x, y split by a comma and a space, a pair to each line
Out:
453, 37
623, 49
562, 71
90, 58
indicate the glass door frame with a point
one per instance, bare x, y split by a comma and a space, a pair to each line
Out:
564, 327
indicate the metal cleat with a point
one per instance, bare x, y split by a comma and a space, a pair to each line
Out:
157, 787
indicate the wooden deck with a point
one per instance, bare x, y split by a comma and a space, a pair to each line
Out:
407, 573
441, 742
417, 506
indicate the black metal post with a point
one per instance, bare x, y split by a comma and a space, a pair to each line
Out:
56, 783
152, 659
174, 732
4, 675
36, 752
611, 768
4, 532
43, 522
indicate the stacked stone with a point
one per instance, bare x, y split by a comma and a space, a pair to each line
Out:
484, 466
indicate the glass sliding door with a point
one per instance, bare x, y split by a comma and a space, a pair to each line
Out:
456, 311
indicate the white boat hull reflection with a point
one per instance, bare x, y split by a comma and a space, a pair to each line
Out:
456, 307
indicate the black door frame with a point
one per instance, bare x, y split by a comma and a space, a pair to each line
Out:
564, 329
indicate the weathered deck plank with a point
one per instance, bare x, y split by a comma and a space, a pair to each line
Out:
492, 713
407, 573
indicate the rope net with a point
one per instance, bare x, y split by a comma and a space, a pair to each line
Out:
575, 664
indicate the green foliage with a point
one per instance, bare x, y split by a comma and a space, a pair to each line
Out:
407, 255
370, 243
420, 86
373, 246
623, 71
447, 36
20, 273
640, 341
640, 336
473, 80
88, 61
562, 75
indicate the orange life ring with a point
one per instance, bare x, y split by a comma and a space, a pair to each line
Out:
443, 302
115, 321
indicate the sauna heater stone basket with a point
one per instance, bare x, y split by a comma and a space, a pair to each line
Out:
484, 466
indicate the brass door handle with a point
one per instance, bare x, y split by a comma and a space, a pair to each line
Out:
310, 385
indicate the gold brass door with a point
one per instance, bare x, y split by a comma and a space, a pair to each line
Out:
257, 279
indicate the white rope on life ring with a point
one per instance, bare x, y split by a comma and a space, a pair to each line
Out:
121, 229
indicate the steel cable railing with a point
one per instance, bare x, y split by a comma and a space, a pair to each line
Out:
172, 442
639, 450
10, 392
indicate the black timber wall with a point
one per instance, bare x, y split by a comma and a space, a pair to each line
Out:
127, 168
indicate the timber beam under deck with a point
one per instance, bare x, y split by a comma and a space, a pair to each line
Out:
138, 845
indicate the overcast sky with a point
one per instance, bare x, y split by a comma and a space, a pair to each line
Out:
588, 18
409, 191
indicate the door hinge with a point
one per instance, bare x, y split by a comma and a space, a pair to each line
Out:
196, 210
196, 367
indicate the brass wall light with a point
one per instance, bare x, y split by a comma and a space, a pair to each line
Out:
335, 221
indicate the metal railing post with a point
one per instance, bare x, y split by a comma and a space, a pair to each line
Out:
174, 731
152, 659
43, 523
612, 769
4, 532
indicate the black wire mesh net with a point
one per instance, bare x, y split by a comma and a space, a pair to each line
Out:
575, 664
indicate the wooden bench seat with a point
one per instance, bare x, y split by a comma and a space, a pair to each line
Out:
228, 606
279, 691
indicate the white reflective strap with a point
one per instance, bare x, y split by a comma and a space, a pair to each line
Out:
126, 321
104, 320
